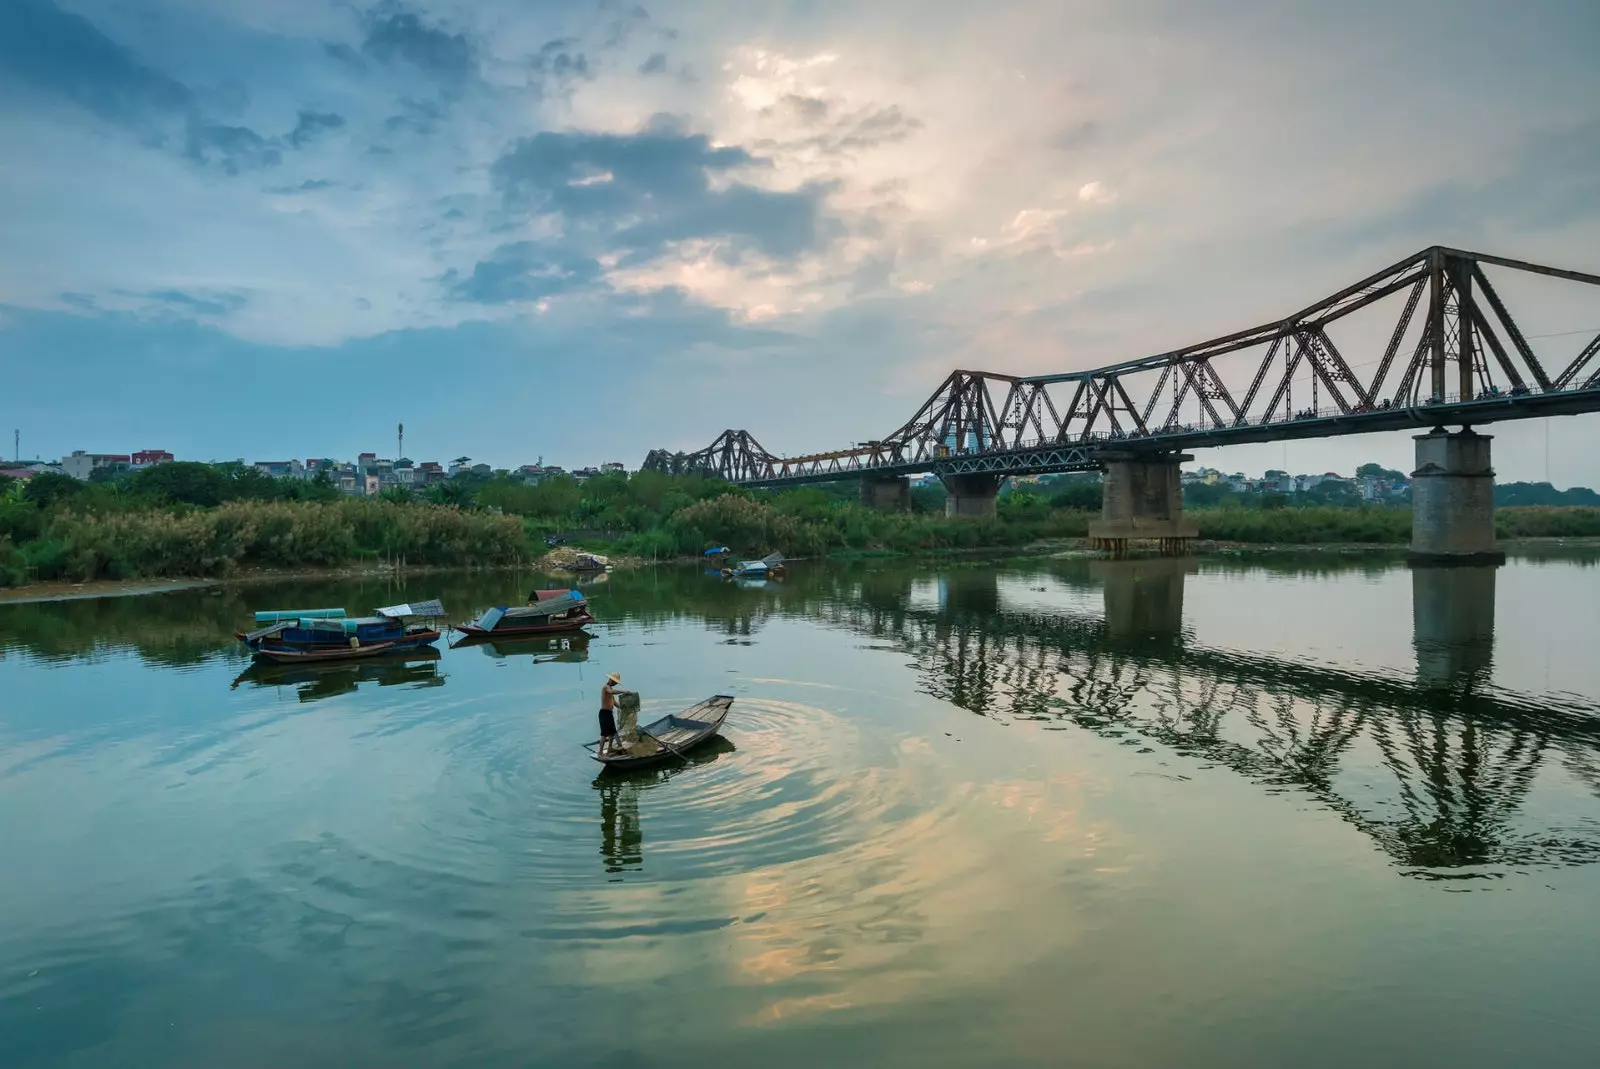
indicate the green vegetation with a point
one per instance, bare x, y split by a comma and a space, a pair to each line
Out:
60, 542
203, 520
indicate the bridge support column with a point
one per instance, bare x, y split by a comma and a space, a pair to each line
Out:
970, 495
886, 495
1142, 500
1452, 500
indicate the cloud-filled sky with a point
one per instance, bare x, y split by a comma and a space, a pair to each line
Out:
234, 228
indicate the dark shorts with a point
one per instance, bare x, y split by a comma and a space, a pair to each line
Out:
608, 724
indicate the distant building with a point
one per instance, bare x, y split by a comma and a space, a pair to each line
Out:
281, 469
613, 467
80, 464
146, 458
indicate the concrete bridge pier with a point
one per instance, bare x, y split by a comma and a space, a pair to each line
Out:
970, 496
1452, 500
886, 494
1452, 614
1142, 500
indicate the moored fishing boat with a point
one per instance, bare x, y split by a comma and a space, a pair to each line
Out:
547, 612
303, 635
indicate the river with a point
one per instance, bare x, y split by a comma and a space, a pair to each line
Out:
1312, 810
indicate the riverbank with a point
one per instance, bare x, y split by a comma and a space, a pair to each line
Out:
43, 542
1057, 549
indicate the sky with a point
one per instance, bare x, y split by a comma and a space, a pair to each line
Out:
579, 231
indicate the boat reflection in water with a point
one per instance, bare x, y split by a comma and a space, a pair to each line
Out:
567, 649
409, 668
621, 834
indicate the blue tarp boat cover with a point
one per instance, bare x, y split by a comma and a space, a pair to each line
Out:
273, 616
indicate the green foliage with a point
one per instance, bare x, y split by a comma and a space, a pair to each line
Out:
48, 488
1543, 494
183, 482
204, 542
160, 526
1547, 522
1077, 494
1302, 526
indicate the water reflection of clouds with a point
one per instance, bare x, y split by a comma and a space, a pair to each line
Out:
948, 901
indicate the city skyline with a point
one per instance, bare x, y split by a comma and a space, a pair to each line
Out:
236, 224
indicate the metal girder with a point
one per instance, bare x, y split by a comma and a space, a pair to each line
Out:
978, 421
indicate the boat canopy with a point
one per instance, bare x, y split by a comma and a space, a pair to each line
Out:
273, 616
550, 603
414, 608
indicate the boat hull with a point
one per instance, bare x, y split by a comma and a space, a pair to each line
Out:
285, 651
317, 656
548, 627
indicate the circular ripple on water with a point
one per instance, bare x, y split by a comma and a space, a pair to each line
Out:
785, 781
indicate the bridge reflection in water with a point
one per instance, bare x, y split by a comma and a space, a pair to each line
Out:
1440, 768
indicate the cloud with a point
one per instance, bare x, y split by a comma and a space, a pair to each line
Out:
310, 185
524, 271
1095, 193
637, 192
310, 124
561, 61
61, 54
656, 64
234, 148
396, 34
215, 304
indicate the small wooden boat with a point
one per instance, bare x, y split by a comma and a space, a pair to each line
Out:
770, 565
548, 612
667, 739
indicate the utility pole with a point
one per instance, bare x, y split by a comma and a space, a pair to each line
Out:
400, 443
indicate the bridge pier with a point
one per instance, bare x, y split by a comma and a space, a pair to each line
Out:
971, 496
1452, 500
892, 494
1142, 500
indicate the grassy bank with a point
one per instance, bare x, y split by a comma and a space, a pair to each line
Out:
53, 531
80, 547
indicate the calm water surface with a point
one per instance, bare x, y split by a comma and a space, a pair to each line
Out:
1146, 813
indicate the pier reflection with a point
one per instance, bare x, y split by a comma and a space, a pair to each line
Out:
1443, 770
1452, 611
1144, 597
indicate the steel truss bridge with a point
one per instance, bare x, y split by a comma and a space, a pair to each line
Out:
1454, 356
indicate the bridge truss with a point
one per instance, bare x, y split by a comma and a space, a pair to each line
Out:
1449, 353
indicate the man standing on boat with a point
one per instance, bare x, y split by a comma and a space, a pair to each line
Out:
608, 716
